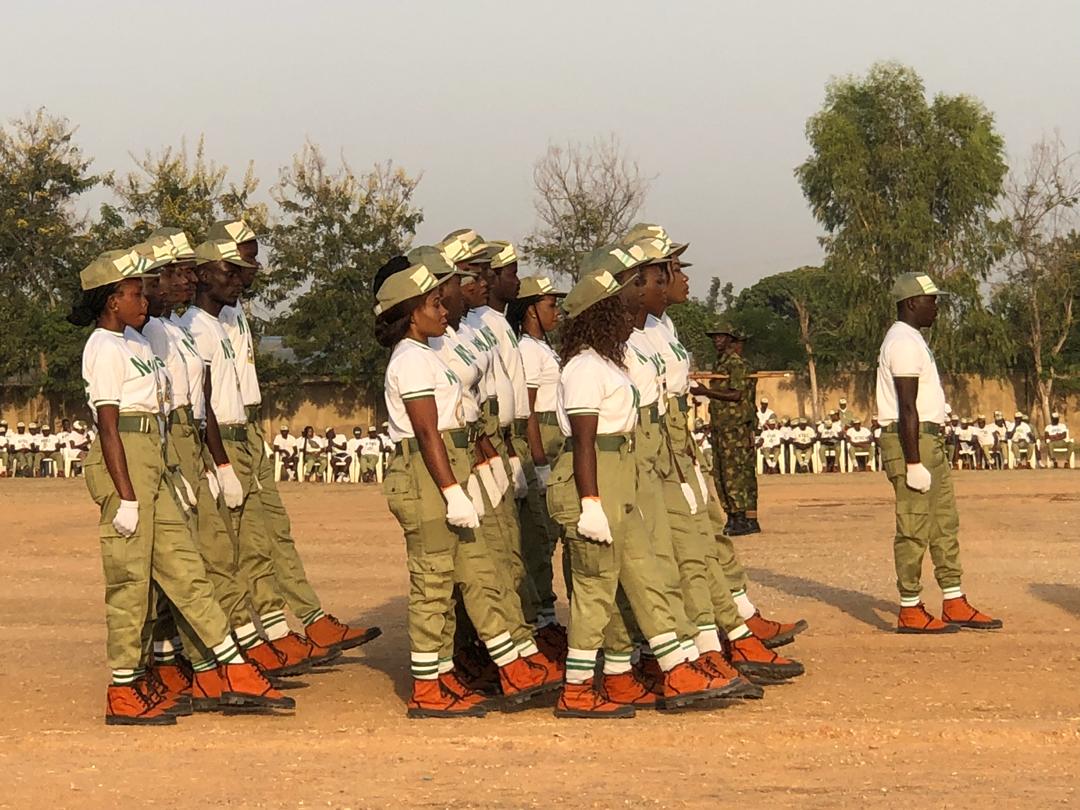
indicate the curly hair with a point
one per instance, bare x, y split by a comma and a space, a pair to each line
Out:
604, 327
90, 304
392, 326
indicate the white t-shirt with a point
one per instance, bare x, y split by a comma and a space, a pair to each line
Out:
460, 358
310, 446
507, 348
676, 358
904, 353
497, 383
770, 437
965, 435
803, 435
541, 366
1001, 431
285, 443
120, 369
591, 384
370, 446
387, 442
19, 441
763, 417
1058, 432
645, 366
239, 332
1023, 432
192, 361
217, 352
161, 344
857, 435
833, 431
354, 444
986, 435
48, 444
415, 372
477, 341
338, 445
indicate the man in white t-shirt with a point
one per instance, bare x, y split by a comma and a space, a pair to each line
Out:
803, 437
371, 447
49, 447
860, 445
771, 442
284, 447
965, 444
985, 441
911, 410
764, 414
1022, 442
830, 435
337, 455
1059, 446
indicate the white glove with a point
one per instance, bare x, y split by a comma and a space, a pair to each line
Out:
459, 509
498, 469
191, 499
701, 483
521, 484
472, 486
543, 474
593, 523
211, 482
126, 521
487, 479
918, 478
230, 486
688, 493
268, 450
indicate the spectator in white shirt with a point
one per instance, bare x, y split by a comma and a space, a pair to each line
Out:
860, 445
285, 449
1058, 444
311, 451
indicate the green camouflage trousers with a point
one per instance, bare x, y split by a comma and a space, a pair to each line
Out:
734, 468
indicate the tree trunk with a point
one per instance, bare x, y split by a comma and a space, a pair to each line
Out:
803, 311
811, 367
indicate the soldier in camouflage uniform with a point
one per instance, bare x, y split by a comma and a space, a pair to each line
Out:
733, 418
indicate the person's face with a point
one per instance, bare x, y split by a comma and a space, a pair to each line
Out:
284, 431
678, 288
654, 295
505, 283
1054, 420
546, 311
330, 433
475, 292
221, 284
33, 431
357, 434
129, 303
429, 319
152, 290
633, 292
982, 423
452, 299
178, 283
65, 425
720, 343
249, 252
923, 310
20, 430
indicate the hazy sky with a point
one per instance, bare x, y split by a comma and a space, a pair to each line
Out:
711, 97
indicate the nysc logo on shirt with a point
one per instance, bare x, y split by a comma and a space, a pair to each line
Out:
452, 378
142, 366
226, 346
467, 357
637, 397
679, 351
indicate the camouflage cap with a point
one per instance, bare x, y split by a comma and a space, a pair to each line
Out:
417, 279
221, 250
464, 246
614, 259
592, 289
536, 286
729, 329
113, 266
235, 230
434, 259
912, 285
981, 416
158, 251
502, 254
643, 230
179, 242
656, 248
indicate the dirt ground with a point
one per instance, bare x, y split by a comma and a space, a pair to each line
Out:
879, 719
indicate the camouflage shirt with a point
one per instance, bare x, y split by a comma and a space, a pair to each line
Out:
728, 415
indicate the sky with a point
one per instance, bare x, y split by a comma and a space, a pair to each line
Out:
710, 98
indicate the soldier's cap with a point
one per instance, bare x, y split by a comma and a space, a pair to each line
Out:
113, 266
699, 423
221, 250
464, 246
1055, 415
233, 230
20, 425
329, 429
178, 242
417, 279
538, 286
79, 424
729, 329
828, 423
158, 251
502, 254
912, 285
614, 259
646, 229
386, 424
964, 419
435, 260
33, 426
856, 421
592, 289
997, 414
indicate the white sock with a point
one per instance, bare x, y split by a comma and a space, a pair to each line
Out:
910, 601
527, 648
445, 665
247, 636
689, 650
501, 649
424, 666
580, 665
274, 625
669, 653
951, 593
742, 631
227, 652
616, 663
743, 603
707, 639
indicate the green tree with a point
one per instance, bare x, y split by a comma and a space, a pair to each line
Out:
336, 229
902, 184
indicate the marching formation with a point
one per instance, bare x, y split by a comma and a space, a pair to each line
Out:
197, 550
506, 446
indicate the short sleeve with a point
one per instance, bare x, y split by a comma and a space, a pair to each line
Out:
414, 375
582, 388
532, 362
205, 342
905, 358
106, 370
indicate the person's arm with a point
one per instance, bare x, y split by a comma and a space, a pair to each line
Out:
907, 395
532, 433
213, 432
583, 431
424, 417
112, 450
721, 394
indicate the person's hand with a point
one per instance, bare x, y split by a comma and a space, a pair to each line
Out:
699, 390
701, 484
688, 493
191, 499
521, 484
126, 521
476, 495
231, 489
593, 523
211, 482
487, 479
459, 509
543, 474
918, 478
498, 469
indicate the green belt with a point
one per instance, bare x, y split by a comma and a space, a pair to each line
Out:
137, 423
606, 443
475, 432
649, 414
491, 406
930, 428
548, 418
234, 433
183, 415
458, 437
520, 428
680, 402
252, 412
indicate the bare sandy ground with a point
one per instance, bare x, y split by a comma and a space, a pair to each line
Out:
880, 719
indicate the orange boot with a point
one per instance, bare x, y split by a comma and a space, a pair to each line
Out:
753, 661
206, 688
685, 684
329, 632
626, 690
275, 662
917, 619
774, 634
958, 612
715, 664
522, 681
431, 699
555, 670
174, 687
585, 701
134, 705
459, 689
648, 671
296, 647
243, 685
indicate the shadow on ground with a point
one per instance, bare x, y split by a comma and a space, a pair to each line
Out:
861, 606
389, 653
1066, 597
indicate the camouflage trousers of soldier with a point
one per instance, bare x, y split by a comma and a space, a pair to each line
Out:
734, 468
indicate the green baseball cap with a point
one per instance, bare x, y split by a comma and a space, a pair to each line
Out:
613, 258
235, 230
220, 250
502, 254
643, 230
113, 266
414, 280
464, 246
179, 242
592, 289
537, 286
435, 260
912, 285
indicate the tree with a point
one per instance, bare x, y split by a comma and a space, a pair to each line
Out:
900, 185
1042, 267
43, 173
586, 196
337, 229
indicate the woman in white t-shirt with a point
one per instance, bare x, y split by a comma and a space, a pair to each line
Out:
142, 529
594, 494
425, 486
